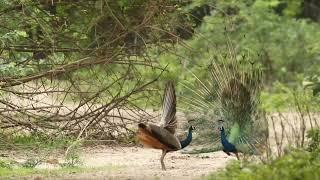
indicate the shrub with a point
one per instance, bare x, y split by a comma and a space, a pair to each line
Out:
314, 136
298, 164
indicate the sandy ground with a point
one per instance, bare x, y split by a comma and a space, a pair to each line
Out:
139, 163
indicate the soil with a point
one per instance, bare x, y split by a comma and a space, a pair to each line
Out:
140, 163
137, 163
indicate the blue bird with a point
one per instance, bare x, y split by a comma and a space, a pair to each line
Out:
228, 147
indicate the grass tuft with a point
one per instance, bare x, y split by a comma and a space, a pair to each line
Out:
24, 172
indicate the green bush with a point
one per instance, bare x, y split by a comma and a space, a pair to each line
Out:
5, 164
314, 143
35, 141
298, 164
285, 98
31, 163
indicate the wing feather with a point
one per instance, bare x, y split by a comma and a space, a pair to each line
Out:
168, 117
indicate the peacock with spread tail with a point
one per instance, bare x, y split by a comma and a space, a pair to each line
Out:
163, 136
230, 91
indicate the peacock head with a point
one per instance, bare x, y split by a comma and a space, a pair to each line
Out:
192, 128
221, 128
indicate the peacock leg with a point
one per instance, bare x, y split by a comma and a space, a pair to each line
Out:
226, 152
164, 152
236, 153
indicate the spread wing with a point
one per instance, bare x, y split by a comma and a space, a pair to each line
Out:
168, 117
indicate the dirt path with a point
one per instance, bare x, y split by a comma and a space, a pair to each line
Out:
140, 163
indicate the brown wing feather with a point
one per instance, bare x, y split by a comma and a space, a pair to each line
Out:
165, 137
168, 119
147, 139
156, 137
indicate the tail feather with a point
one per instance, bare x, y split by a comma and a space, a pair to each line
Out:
168, 119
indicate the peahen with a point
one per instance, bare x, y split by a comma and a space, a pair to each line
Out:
163, 136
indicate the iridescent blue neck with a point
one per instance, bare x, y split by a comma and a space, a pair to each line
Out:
227, 146
223, 136
188, 140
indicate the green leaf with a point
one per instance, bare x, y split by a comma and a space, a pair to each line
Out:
21, 33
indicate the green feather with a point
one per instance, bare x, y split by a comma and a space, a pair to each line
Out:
234, 133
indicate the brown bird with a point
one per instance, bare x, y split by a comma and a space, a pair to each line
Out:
163, 136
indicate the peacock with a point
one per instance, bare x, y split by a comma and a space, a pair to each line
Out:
228, 147
163, 136
229, 90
